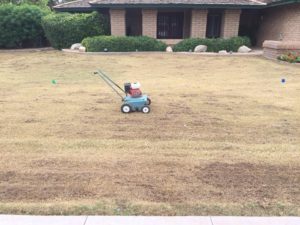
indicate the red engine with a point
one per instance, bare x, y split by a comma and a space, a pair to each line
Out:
135, 92
133, 89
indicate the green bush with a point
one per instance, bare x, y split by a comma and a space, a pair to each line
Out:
65, 29
40, 3
213, 45
122, 44
20, 26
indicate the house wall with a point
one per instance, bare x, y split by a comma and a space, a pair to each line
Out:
230, 23
149, 22
117, 22
198, 23
280, 24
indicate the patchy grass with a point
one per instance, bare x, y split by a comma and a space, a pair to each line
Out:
222, 137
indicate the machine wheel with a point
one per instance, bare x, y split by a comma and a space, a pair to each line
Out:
125, 108
146, 109
148, 101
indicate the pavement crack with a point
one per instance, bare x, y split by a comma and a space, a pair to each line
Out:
212, 223
85, 220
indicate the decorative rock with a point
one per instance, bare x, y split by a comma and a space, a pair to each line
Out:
82, 49
76, 46
200, 48
244, 49
223, 52
169, 49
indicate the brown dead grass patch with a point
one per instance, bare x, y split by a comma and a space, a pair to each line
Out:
259, 182
222, 137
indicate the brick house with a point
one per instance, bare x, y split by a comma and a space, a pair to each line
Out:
173, 20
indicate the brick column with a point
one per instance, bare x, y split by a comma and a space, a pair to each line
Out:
117, 22
149, 22
198, 23
230, 23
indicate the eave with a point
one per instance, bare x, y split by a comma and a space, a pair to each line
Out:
197, 6
282, 2
95, 6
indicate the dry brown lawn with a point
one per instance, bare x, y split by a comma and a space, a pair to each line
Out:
222, 138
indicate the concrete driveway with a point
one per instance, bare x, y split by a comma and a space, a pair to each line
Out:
145, 220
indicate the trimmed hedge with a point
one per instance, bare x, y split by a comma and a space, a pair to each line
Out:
65, 29
20, 26
213, 45
122, 44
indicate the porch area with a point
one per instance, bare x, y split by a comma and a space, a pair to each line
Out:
172, 25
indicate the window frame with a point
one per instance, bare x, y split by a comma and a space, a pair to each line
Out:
170, 25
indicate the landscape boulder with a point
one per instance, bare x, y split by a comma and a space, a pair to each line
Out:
200, 48
223, 52
244, 49
169, 49
82, 49
76, 46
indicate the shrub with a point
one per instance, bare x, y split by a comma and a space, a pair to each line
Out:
40, 3
65, 29
236, 42
122, 44
20, 26
290, 57
213, 45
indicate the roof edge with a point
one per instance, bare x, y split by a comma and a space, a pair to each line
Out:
95, 5
282, 2
66, 3
173, 5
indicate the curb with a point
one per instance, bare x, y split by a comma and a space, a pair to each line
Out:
253, 53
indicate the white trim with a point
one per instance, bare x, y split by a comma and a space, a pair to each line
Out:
67, 3
259, 2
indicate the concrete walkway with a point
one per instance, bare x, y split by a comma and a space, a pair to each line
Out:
145, 220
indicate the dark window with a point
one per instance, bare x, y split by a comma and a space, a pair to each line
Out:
133, 22
249, 24
213, 28
170, 25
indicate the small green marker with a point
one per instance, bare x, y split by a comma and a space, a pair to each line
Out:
54, 82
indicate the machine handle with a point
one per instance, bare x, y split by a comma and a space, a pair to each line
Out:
110, 82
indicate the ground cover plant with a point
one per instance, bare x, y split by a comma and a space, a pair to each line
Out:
290, 57
222, 137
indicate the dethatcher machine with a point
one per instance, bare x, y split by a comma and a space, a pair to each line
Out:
134, 100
